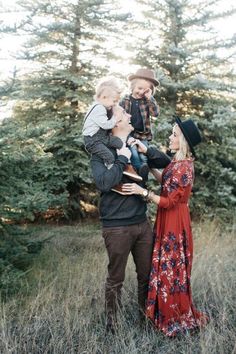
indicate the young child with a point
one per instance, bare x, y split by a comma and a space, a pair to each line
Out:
98, 122
141, 105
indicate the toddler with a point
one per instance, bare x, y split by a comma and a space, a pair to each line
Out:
141, 105
98, 122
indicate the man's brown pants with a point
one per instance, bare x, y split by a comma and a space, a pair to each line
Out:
119, 242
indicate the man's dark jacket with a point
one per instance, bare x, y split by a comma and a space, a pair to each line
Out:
117, 209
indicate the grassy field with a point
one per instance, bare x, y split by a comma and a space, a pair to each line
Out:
61, 308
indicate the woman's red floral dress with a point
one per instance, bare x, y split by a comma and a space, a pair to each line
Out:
169, 303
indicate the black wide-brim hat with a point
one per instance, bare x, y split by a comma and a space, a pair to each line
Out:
190, 132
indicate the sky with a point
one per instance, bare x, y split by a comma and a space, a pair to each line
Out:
12, 44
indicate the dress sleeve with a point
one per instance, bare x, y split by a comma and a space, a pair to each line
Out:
181, 179
157, 158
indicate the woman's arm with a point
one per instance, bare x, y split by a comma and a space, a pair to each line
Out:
165, 202
133, 188
183, 178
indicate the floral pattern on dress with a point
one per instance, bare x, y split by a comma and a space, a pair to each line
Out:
169, 303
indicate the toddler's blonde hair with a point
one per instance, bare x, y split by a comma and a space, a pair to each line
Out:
133, 83
109, 85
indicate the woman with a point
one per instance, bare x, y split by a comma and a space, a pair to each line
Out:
169, 303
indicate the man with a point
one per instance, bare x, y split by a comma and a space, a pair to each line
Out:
124, 221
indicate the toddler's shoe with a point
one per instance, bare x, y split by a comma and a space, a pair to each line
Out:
130, 171
143, 171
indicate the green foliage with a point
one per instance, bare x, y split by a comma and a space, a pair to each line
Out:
197, 80
44, 154
24, 190
17, 253
44, 166
216, 166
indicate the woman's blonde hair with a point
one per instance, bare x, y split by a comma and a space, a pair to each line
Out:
184, 149
108, 85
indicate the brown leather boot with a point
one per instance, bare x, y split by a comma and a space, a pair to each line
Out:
131, 173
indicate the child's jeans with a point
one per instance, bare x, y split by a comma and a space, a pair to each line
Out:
138, 158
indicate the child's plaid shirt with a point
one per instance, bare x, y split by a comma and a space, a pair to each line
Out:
148, 108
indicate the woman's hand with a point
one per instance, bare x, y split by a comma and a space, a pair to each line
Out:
140, 146
132, 188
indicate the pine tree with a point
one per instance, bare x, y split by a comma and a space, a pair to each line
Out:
195, 69
66, 50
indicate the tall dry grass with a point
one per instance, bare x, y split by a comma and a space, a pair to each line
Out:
61, 309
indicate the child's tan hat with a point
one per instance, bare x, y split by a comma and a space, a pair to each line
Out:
145, 74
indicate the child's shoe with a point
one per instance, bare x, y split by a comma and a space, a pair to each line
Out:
130, 171
143, 171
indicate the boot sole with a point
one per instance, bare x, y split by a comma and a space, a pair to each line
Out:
135, 178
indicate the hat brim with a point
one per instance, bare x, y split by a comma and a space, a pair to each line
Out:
179, 122
133, 76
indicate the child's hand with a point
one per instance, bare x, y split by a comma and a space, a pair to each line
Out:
140, 146
131, 141
148, 93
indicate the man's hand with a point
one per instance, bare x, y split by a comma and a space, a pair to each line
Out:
124, 151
